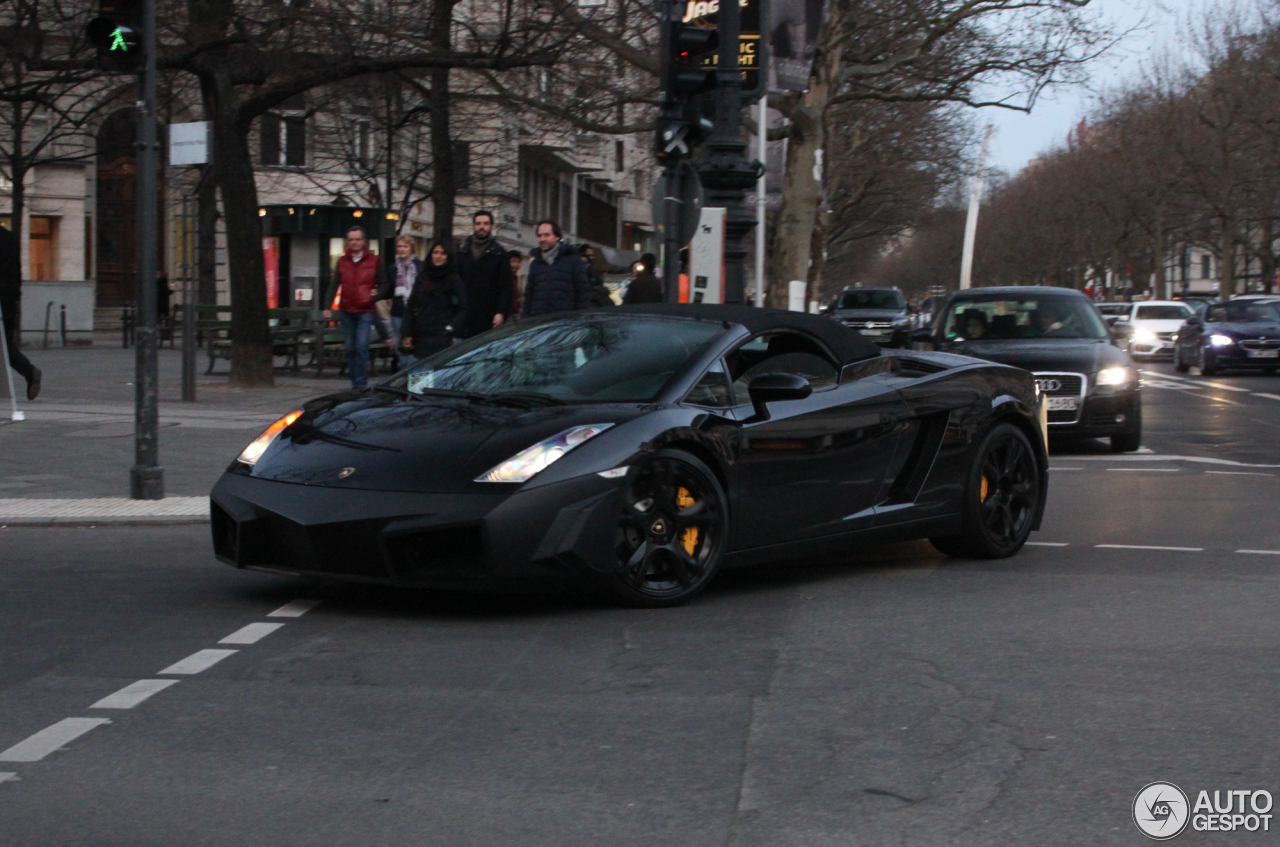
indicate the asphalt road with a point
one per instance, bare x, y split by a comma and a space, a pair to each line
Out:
891, 698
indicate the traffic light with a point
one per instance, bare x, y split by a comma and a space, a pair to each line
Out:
688, 49
117, 33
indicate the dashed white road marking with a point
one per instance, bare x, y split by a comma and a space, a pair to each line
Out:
294, 609
5, 777
1160, 457
1268, 396
201, 660
1147, 470
50, 739
1046, 544
1150, 547
133, 694
1240, 473
1052, 468
1261, 552
251, 634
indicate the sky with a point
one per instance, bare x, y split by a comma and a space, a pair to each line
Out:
1152, 26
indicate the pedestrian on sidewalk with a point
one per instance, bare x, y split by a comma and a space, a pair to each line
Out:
360, 282
10, 305
485, 270
599, 291
645, 288
516, 259
557, 279
437, 306
401, 276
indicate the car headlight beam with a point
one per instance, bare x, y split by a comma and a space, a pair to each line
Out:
530, 461
251, 454
1221, 340
1144, 336
1115, 376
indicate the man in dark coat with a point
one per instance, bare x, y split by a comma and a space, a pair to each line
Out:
599, 291
10, 303
557, 279
645, 288
486, 272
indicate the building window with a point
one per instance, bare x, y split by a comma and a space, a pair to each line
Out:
283, 134
619, 156
1206, 266
362, 143
461, 164
269, 136
43, 248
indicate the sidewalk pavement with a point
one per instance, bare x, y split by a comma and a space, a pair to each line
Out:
68, 462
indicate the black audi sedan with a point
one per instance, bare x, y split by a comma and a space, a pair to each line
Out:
1090, 382
880, 314
1234, 334
635, 450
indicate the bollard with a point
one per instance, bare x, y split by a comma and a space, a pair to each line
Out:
62, 324
44, 337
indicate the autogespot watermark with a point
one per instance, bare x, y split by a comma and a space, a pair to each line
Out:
1162, 811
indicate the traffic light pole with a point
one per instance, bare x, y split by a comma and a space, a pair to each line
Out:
723, 171
146, 477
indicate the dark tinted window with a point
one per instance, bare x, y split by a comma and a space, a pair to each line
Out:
998, 318
871, 299
712, 389
1242, 313
780, 352
594, 359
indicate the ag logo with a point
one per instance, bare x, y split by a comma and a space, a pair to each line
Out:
1160, 810
346, 472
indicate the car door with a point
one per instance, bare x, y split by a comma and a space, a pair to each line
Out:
815, 466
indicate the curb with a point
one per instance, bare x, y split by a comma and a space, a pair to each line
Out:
91, 523
104, 511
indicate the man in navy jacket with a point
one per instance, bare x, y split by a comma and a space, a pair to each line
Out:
557, 280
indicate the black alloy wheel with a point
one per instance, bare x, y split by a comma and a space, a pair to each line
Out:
1208, 367
672, 532
1001, 498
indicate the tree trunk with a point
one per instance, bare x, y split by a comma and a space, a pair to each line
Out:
792, 245
444, 187
207, 239
251, 364
1227, 260
1158, 248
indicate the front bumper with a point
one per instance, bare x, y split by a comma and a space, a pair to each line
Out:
1236, 356
549, 538
1159, 348
1103, 415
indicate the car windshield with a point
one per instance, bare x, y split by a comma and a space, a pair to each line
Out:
1163, 313
1113, 309
1001, 318
1242, 313
871, 300
595, 359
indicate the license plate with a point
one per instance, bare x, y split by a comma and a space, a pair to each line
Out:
1263, 354
1064, 404
874, 331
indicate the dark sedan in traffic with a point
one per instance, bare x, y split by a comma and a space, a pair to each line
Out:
1056, 333
880, 314
1234, 334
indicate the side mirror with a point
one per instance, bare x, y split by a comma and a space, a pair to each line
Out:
767, 388
1195, 321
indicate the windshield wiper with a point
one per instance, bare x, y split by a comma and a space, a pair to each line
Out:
528, 398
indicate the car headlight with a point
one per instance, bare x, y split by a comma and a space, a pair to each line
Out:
1221, 340
528, 462
1115, 376
1144, 336
251, 454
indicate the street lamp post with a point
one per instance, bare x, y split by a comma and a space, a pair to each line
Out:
146, 477
724, 172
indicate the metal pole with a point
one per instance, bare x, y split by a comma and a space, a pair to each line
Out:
671, 225
146, 477
971, 222
762, 142
723, 171
189, 246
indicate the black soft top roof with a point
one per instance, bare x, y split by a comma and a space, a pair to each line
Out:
845, 343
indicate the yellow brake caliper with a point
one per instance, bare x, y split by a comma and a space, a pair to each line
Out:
689, 538
985, 487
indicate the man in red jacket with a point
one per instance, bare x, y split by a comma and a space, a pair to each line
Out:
358, 278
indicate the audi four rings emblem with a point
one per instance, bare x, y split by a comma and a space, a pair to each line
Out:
1048, 385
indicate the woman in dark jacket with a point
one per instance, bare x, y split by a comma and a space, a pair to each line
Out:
437, 305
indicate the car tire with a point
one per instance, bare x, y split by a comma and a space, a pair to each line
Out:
1001, 498
1208, 367
1179, 365
672, 531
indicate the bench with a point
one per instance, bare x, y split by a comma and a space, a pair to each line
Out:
329, 350
290, 331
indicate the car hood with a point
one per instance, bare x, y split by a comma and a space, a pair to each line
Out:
433, 444
1172, 325
1243, 330
869, 314
1071, 355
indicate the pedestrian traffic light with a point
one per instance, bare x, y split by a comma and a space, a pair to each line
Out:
117, 33
688, 49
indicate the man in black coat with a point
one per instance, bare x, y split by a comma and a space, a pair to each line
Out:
10, 303
486, 272
557, 280
645, 288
